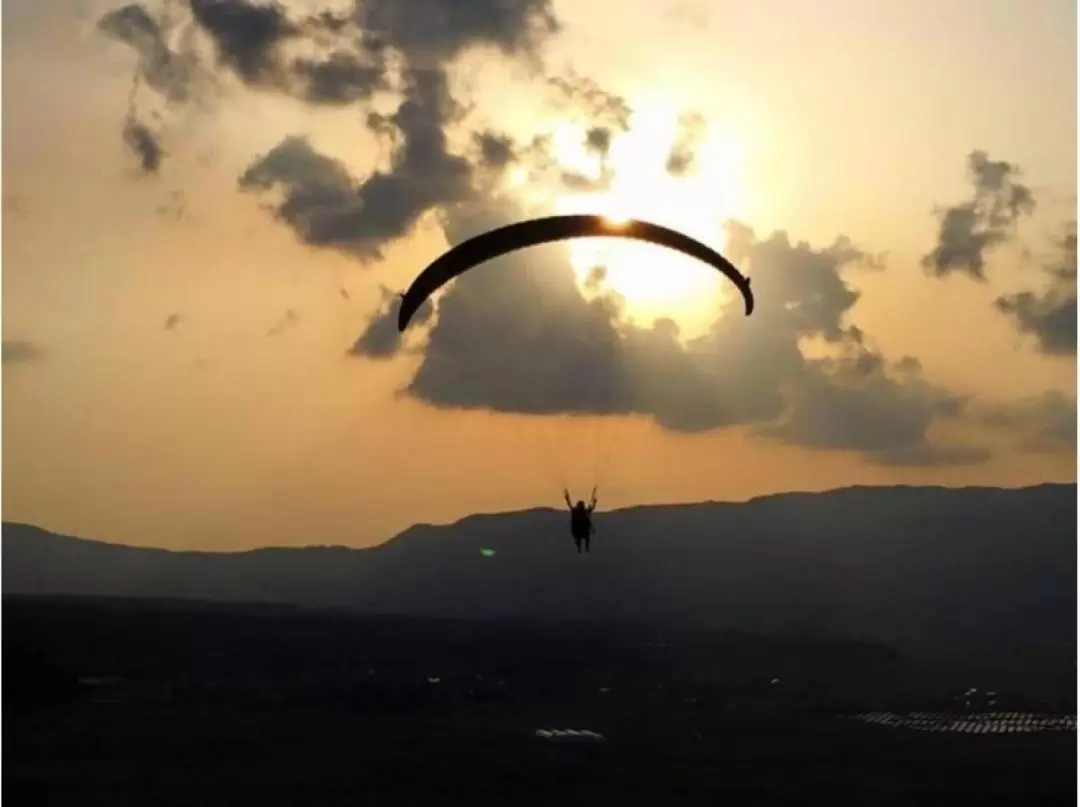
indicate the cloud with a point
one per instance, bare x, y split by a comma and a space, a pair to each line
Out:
20, 352
381, 338
322, 202
432, 33
253, 40
336, 54
172, 73
497, 150
172, 322
683, 155
341, 78
246, 36
520, 335
144, 144
1050, 316
969, 229
854, 404
602, 107
326, 207
1044, 423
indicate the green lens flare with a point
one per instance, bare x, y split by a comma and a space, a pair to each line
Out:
487, 553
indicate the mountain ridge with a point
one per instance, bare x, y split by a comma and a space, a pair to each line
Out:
973, 569
424, 525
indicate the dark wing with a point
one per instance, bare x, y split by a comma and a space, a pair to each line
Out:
492, 244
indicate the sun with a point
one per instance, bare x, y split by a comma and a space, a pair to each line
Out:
654, 281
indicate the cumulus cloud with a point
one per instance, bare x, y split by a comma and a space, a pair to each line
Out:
323, 203
247, 36
1049, 316
381, 338
325, 206
854, 404
434, 32
520, 335
340, 55
1043, 423
496, 150
343, 77
970, 229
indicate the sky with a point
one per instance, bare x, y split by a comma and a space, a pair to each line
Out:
209, 207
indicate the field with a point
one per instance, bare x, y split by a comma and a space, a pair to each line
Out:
119, 702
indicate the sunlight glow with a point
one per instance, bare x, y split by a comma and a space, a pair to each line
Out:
654, 281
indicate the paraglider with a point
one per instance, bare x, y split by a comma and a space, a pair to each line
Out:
581, 526
533, 232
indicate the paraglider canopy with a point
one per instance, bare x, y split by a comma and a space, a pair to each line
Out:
534, 232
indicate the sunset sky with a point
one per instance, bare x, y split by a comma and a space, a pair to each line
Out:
209, 205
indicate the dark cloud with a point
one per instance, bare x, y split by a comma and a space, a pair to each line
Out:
247, 37
342, 78
854, 404
1043, 423
252, 38
381, 338
598, 140
597, 144
1050, 316
173, 73
170, 72
970, 229
518, 334
327, 207
320, 196
683, 155
927, 454
432, 33
602, 107
339, 56
144, 144
518, 311
496, 150
19, 351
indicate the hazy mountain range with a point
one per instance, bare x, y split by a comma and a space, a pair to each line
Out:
966, 569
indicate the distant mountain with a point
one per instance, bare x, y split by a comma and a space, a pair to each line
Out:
970, 569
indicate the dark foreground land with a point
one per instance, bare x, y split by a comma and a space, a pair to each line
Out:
118, 702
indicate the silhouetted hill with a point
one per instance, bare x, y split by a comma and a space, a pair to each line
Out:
966, 570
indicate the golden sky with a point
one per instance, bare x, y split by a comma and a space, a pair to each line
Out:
206, 201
